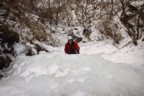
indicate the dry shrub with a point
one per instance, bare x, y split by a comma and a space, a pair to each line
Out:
87, 32
110, 29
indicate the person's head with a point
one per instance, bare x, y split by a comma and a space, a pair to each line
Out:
70, 39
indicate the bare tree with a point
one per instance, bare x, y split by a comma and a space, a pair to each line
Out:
132, 18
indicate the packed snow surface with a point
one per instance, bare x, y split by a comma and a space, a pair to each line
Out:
91, 73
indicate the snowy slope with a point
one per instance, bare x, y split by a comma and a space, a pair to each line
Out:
130, 54
86, 74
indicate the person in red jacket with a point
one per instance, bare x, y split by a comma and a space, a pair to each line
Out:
71, 47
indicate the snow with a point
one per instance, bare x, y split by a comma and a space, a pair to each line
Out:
20, 48
100, 70
131, 54
97, 47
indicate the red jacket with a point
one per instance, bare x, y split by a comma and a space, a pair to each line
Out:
72, 49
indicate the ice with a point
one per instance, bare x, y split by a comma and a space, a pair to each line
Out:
101, 69
53, 69
71, 75
13, 91
79, 93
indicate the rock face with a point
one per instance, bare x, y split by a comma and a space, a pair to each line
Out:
10, 47
7, 39
5, 61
